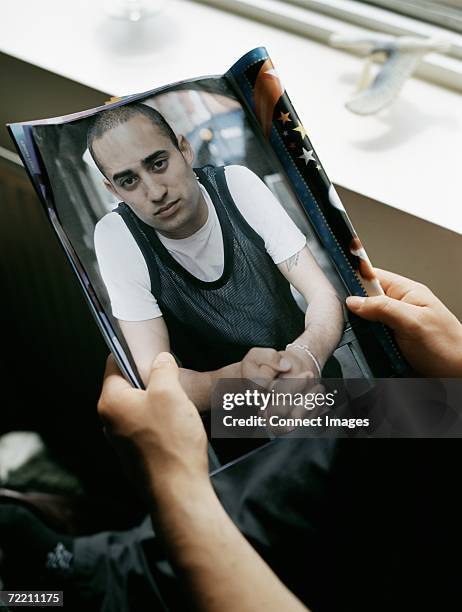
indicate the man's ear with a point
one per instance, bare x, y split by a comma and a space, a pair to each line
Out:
110, 187
185, 148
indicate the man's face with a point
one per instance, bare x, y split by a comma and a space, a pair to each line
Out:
145, 169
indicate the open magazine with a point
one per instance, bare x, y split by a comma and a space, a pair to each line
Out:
199, 219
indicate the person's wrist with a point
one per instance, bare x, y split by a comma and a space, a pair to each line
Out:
175, 488
232, 370
175, 466
306, 355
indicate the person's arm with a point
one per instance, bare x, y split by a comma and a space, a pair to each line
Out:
428, 334
146, 339
286, 245
324, 315
220, 569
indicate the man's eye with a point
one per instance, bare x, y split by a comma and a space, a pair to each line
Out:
128, 182
159, 164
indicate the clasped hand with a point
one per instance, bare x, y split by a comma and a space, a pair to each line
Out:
265, 365
287, 372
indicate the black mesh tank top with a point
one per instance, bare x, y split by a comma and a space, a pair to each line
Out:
212, 324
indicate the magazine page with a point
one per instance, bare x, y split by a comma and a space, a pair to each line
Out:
188, 234
262, 91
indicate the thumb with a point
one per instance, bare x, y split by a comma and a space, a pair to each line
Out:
284, 364
394, 313
164, 373
164, 360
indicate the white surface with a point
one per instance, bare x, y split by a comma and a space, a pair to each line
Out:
407, 157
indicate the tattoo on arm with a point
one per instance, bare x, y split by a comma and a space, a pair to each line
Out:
292, 261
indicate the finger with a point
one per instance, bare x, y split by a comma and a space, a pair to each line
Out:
284, 365
396, 286
116, 393
270, 358
274, 365
300, 375
164, 375
295, 383
263, 376
114, 382
397, 315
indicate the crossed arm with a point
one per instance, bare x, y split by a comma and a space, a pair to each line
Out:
146, 339
323, 327
324, 314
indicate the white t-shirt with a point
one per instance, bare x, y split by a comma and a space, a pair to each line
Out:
123, 267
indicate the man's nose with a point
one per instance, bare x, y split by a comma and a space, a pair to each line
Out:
156, 190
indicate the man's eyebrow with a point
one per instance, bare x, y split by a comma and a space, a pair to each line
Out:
122, 174
145, 162
150, 158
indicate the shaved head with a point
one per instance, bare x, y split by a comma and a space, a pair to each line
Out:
109, 119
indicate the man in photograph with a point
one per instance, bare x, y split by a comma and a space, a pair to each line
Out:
200, 262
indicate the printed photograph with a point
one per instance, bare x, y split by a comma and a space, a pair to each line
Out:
195, 243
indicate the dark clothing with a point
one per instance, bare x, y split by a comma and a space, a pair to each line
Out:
212, 324
276, 497
348, 525
111, 571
